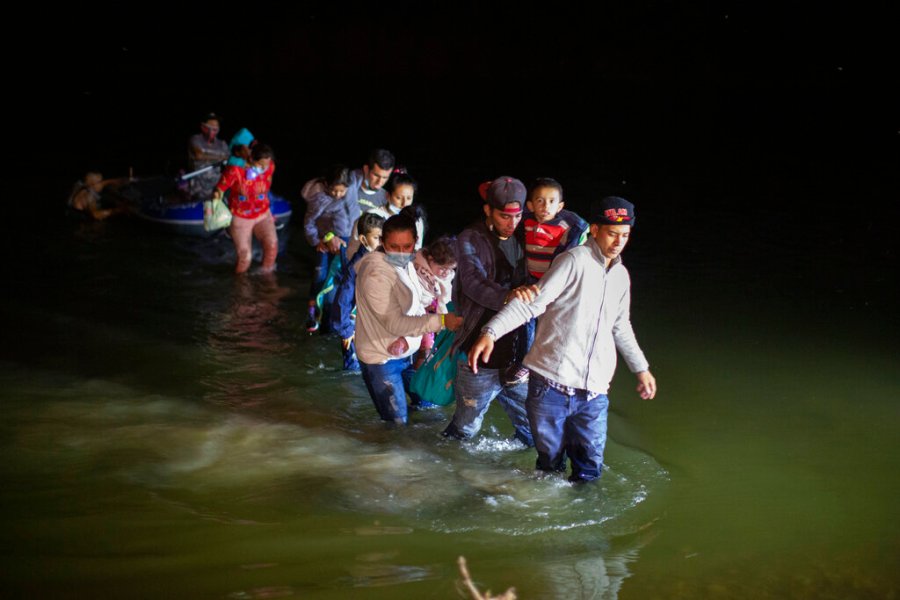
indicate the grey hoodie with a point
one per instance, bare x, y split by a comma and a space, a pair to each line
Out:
586, 317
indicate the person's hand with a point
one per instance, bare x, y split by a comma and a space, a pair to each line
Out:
646, 385
452, 321
421, 357
482, 348
321, 247
345, 342
525, 293
398, 347
334, 244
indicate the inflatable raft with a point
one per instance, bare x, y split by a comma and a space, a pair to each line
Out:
187, 219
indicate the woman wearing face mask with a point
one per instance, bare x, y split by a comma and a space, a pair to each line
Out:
388, 307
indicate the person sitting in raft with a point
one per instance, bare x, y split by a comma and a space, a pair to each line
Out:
387, 306
206, 149
249, 204
87, 200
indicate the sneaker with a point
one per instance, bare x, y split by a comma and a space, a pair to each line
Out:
312, 323
515, 375
423, 405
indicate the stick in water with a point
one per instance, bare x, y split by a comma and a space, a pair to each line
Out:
509, 594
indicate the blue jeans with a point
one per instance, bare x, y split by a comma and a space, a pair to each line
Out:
567, 425
387, 385
351, 363
320, 272
473, 398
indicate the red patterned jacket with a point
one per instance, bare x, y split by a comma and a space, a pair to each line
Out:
249, 196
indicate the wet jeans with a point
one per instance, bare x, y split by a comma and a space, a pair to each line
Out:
567, 425
351, 363
387, 385
473, 398
320, 272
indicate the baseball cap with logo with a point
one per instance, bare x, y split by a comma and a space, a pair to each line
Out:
612, 210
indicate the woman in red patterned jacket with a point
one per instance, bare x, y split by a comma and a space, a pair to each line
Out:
249, 204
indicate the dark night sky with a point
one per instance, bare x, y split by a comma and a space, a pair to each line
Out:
750, 101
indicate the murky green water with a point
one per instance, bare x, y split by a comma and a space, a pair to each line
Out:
170, 431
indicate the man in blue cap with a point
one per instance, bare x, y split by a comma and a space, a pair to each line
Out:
586, 295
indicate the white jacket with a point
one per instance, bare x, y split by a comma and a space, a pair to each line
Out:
585, 316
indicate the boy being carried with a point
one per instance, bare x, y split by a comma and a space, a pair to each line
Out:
550, 230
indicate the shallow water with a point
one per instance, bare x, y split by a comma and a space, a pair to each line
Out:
170, 430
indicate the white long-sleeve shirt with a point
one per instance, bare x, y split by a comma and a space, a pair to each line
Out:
586, 316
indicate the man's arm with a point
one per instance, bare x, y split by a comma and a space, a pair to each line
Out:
218, 153
84, 201
476, 284
627, 345
623, 335
518, 311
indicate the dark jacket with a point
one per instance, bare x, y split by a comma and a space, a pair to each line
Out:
345, 298
475, 290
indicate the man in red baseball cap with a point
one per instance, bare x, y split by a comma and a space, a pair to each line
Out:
491, 271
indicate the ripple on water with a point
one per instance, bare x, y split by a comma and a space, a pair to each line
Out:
179, 450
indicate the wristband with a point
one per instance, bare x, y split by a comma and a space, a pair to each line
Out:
328, 237
443, 323
489, 332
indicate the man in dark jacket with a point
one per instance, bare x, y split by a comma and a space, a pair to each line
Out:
491, 272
